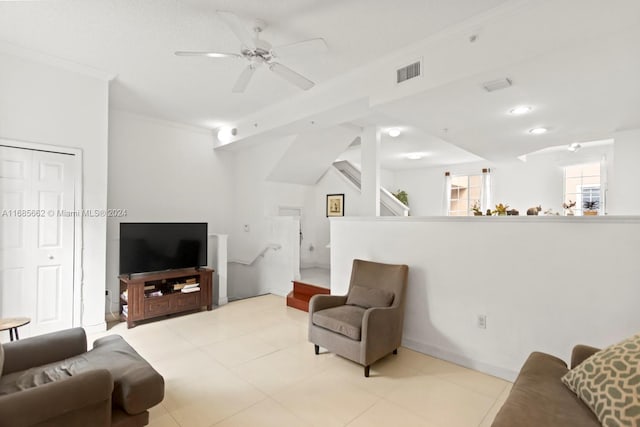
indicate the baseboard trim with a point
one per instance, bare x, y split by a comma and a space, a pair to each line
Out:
93, 329
223, 301
279, 292
111, 317
459, 359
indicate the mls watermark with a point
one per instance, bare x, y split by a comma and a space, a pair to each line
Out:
63, 213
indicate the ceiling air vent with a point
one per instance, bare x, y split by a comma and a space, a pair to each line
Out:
409, 72
494, 85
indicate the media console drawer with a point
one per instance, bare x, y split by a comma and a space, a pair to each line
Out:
184, 301
172, 303
157, 305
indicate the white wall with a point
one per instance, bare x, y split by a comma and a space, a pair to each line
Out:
520, 185
544, 283
524, 185
164, 172
256, 204
624, 192
425, 189
317, 222
49, 105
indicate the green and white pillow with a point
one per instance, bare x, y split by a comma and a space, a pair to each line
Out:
1, 358
609, 383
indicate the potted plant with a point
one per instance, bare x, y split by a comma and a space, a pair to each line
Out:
590, 207
569, 208
402, 196
500, 209
476, 208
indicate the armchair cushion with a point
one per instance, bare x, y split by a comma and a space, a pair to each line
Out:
369, 297
345, 320
43, 349
136, 385
79, 401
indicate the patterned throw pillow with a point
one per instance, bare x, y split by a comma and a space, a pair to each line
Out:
609, 383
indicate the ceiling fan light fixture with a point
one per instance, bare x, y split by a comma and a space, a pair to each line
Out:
520, 110
394, 132
538, 131
258, 52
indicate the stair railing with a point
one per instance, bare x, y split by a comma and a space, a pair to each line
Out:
387, 200
272, 246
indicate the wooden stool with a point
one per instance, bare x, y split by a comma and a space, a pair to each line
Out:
12, 324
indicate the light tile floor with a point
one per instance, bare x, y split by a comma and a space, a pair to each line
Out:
248, 363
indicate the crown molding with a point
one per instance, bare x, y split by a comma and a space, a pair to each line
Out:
54, 61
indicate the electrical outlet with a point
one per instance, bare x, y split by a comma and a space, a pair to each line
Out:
481, 321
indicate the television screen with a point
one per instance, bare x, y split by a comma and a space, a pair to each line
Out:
147, 247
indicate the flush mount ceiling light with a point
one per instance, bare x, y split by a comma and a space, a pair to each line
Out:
394, 132
538, 131
574, 147
414, 156
226, 134
520, 110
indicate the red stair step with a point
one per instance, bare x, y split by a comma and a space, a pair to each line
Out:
302, 293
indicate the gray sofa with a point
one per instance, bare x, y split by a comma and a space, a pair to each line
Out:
52, 380
538, 397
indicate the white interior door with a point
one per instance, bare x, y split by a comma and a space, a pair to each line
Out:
37, 238
296, 213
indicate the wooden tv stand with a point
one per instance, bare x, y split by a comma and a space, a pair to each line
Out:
141, 306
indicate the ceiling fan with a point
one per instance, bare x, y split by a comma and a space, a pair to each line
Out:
260, 52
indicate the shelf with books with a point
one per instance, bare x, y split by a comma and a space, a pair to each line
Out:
146, 296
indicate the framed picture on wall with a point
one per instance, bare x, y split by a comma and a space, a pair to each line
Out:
335, 204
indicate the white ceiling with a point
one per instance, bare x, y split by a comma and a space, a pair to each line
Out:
575, 62
581, 93
135, 39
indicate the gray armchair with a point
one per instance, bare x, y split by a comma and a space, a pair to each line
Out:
366, 324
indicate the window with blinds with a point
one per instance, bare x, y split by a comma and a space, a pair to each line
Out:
582, 184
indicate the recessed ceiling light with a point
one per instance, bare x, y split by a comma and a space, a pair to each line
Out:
518, 111
414, 156
394, 132
538, 131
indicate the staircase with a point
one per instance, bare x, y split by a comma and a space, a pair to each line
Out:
389, 204
301, 294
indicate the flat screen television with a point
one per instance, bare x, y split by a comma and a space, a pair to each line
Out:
158, 246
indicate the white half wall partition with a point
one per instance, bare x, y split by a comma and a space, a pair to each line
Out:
543, 283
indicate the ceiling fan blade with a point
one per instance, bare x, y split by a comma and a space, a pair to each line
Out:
291, 76
209, 54
243, 79
310, 46
234, 24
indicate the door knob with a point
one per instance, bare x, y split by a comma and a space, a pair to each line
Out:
50, 256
